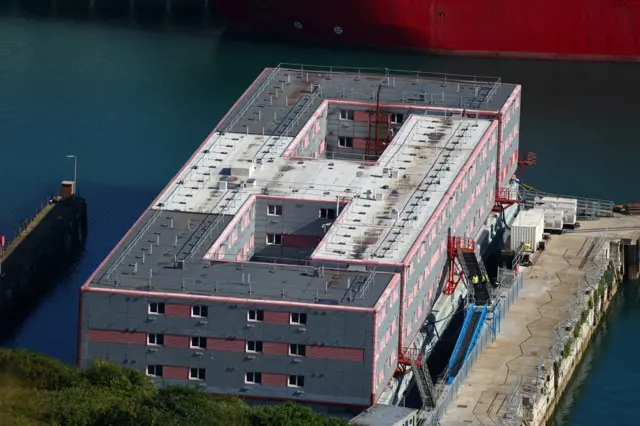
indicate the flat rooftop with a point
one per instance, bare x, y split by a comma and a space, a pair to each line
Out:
281, 96
149, 266
390, 201
248, 155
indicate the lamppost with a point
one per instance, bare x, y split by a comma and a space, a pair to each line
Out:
75, 171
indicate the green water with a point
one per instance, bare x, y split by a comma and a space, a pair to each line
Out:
133, 104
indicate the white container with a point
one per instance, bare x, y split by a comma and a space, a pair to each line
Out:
553, 220
569, 207
527, 228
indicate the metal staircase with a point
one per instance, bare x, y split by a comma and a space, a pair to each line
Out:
472, 265
425, 384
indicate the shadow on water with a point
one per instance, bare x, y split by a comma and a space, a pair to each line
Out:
42, 285
594, 374
152, 14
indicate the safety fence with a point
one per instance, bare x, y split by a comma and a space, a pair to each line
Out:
510, 286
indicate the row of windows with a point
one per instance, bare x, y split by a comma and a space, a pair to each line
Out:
252, 378
251, 346
253, 315
276, 210
395, 118
197, 311
194, 373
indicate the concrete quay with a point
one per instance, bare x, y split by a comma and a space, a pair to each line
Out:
519, 378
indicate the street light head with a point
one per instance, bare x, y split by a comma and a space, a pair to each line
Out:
71, 156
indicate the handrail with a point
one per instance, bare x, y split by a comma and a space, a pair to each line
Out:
388, 72
294, 121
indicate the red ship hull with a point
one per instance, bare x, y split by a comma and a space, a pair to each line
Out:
606, 30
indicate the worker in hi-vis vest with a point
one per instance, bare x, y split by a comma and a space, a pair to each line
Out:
474, 279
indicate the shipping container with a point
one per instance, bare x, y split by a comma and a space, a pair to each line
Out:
553, 220
527, 228
569, 207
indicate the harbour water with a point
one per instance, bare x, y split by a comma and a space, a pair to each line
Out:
133, 104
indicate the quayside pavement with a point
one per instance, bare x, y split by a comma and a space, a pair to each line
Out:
530, 328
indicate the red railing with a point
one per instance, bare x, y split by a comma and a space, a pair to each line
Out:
407, 355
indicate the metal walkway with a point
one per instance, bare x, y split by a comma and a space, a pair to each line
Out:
588, 208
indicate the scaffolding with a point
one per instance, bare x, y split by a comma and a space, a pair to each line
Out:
379, 131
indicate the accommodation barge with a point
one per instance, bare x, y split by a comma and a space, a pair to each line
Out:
300, 251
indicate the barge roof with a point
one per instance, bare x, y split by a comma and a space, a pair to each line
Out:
149, 266
194, 209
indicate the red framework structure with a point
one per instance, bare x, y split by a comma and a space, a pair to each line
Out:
506, 197
407, 356
454, 246
380, 126
525, 160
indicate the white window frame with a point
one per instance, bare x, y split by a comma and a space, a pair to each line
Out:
327, 214
396, 118
197, 375
296, 379
199, 342
256, 313
157, 371
274, 239
258, 346
298, 318
345, 142
347, 114
157, 308
200, 311
274, 210
253, 378
154, 338
296, 349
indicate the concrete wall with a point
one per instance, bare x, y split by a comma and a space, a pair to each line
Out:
300, 226
337, 369
472, 202
36, 260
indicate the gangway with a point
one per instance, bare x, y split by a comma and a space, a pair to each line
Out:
471, 329
424, 382
473, 266
588, 208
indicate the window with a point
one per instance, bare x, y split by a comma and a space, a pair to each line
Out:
297, 318
346, 114
297, 350
155, 339
156, 308
199, 342
327, 213
345, 142
154, 370
200, 311
255, 315
274, 239
197, 374
274, 210
254, 378
397, 118
296, 381
254, 346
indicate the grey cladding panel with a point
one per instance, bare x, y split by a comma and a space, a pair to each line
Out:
324, 378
